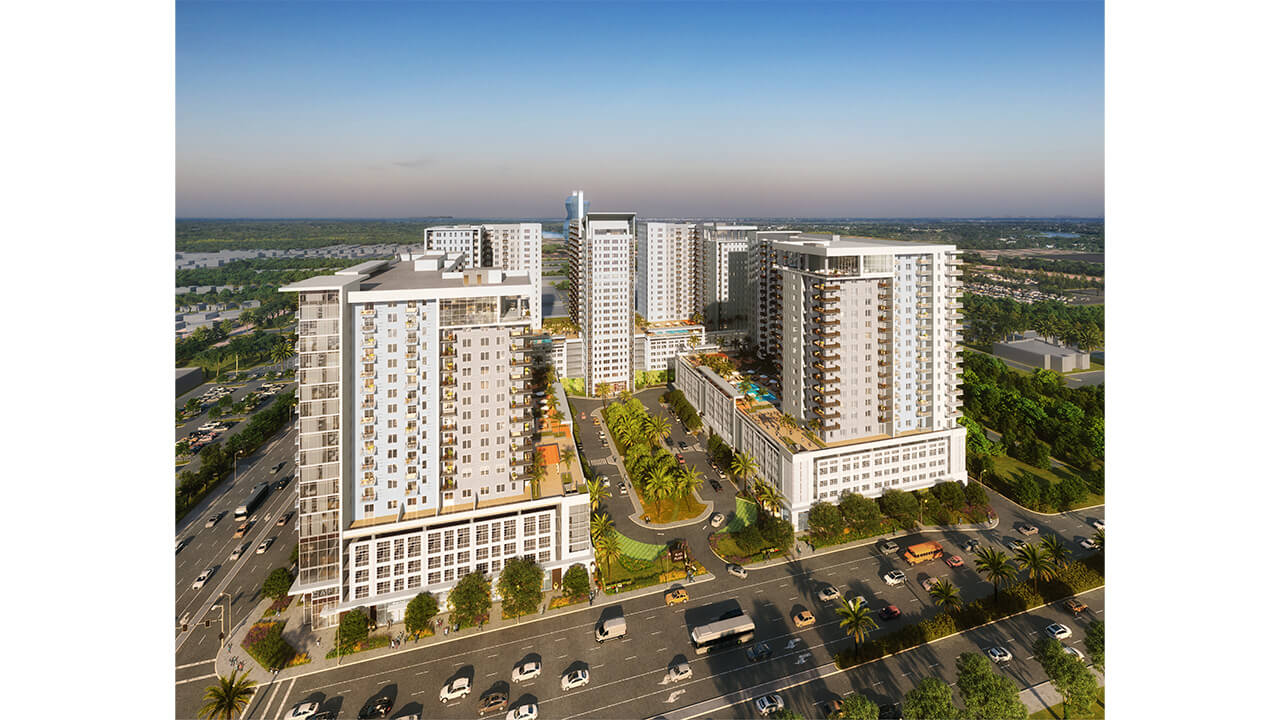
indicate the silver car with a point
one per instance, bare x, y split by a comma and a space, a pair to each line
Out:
738, 571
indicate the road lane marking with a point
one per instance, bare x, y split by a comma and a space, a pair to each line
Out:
561, 656
275, 688
493, 656
559, 639
656, 632
202, 677
285, 699
660, 649
202, 662
793, 597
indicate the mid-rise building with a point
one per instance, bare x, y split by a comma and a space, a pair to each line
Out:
666, 287
722, 272
415, 453
510, 246
464, 240
601, 248
764, 290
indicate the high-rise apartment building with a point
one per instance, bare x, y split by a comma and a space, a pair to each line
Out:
665, 281
601, 248
764, 289
722, 272
575, 209
510, 246
415, 434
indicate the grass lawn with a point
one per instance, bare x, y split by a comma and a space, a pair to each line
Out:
744, 513
1055, 713
639, 550
1008, 468
672, 511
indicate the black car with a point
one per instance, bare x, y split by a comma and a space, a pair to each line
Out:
326, 715
759, 651
376, 708
683, 445
892, 711
715, 485
283, 481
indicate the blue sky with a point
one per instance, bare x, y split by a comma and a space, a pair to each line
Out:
668, 109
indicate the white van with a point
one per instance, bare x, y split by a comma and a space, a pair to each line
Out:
611, 628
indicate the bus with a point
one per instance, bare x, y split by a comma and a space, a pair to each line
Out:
251, 502
923, 552
722, 633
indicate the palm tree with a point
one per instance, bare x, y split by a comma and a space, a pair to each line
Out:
601, 525
996, 567
1098, 537
656, 429
1037, 563
768, 497
743, 466
1056, 550
946, 596
281, 352
608, 548
688, 481
856, 620
662, 484
597, 491
229, 698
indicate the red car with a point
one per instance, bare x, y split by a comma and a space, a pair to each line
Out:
955, 561
890, 612
680, 458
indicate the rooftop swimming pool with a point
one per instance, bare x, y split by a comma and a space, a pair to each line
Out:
755, 392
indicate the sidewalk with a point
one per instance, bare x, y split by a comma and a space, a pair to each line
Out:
319, 642
1045, 695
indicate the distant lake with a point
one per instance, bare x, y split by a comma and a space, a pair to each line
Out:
1059, 235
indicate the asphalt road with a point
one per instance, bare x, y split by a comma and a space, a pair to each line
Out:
237, 393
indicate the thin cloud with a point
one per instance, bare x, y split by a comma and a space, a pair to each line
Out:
419, 162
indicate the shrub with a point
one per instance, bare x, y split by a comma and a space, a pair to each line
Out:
748, 539
266, 644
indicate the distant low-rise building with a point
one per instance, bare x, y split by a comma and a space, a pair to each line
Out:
1030, 349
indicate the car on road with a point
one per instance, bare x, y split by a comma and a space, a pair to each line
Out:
1074, 606
955, 561
828, 592
1027, 528
683, 445
828, 708
528, 670
304, 710
276, 468
181, 544
1015, 544
887, 547
262, 546
457, 688
528, 711
737, 571
282, 482
679, 671
680, 458
244, 528
492, 702
889, 612
758, 652
1099, 525
929, 582
677, 596
201, 579
1073, 652
376, 708
971, 545
803, 619
999, 654
715, 485
575, 679
895, 577
213, 520
1056, 630
717, 519
769, 704
326, 715
1088, 544
622, 487
236, 553
604, 480
284, 518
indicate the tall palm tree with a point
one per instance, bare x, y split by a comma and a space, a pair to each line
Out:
946, 596
743, 466
597, 491
609, 548
656, 430
856, 620
688, 481
1056, 550
229, 698
601, 525
996, 567
1037, 563
281, 352
769, 497
663, 485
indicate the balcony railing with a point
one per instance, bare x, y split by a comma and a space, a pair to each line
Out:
449, 438
448, 409
448, 468
368, 312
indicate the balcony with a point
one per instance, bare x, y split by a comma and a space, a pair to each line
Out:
519, 374
448, 380
411, 323
368, 433
369, 342
369, 465
826, 344
368, 327
449, 438
521, 428
366, 374
448, 454
369, 495
827, 367
448, 351
824, 310
448, 469
521, 476
448, 336
827, 401
411, 472
830, 426
827, 332
826, 287
369, 403
827, 322
369, 357
448, 409
519, 360
368, 312
449, 396
519, 404
828, 390
411, 441
411, 411
827, 414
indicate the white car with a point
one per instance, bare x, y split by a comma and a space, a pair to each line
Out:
769, 704
459, 688
1073, 652
929, 582
526, 671
262, 546
738, 571
524, 712
604, 480
999, 654
1099, 525
828, 593
681, 671
304, 710
717, 519
1016, 545
201, 579
1088, 544
859, 599
895, 577
574, 679
235, 554
213, 520
1062, 632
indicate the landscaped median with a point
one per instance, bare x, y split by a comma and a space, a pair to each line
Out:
639, 564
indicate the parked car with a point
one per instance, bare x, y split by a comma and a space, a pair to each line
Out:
715, 485
1073, 652
376, 708
458, 688
680, 458
828, 592
528, 670
303, 710
888, 547
1027, 528
929, 582
528, 711
679, 671
971, 545
769, 704
493, 702
803, 619
1016, 544
574, 679
955, 561
717, 519
677, 596
1099, 525
738, 571
1061, 632
181, 544
758, 652
1073, 605
622, 487
1088, 544
889, 612
201, 579
895, 577
999, 654
828, 708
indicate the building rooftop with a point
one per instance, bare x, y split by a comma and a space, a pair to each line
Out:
1034, 343
830, 244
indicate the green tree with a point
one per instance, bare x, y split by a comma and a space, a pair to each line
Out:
975, 494
273, 651
609, 549
193, 405
1094, 641
277, 584
930, 699
520, 586
352, 628
825, 520
229, 698
743, 467
601, 525
856, 621
1056, 550
1037, 564
769, 498
1098, 538
1078, 686
901, 506
470, 600
861, 513
597, 491
688, 481
946, 596
656, 429
786, 713
856, 706
996, 567
950, 494
418, 614
576, 583
280, 352
986, 696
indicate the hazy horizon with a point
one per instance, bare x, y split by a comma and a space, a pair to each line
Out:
846, 110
